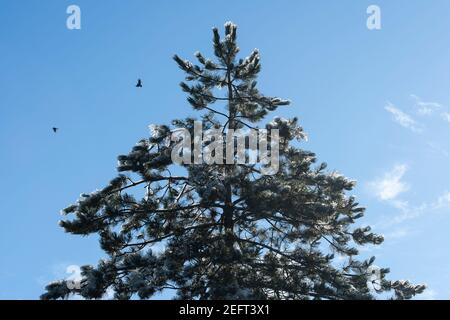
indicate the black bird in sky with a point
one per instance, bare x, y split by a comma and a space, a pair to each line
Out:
55, 129
139, 84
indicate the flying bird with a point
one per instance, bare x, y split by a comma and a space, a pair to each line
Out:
55, 129
139, 84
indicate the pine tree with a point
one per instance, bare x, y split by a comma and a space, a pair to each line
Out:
223, 231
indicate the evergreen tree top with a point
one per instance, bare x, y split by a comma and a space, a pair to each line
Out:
222, 231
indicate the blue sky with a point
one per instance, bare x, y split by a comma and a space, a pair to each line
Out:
375, 104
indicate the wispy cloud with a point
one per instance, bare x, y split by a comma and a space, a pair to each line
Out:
437, 148
402, 118
397, 234
443, 201
408, 211
424, 107
445, 116
389, 186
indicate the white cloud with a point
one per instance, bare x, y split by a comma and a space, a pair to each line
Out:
390, 185
437, 148
402, 118
408, 211
446, 116
429, 108
443, 201
425, 108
